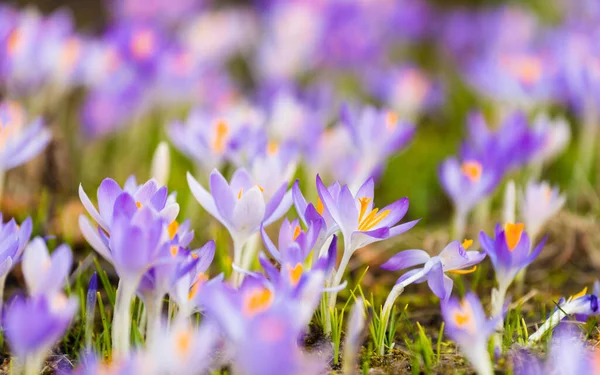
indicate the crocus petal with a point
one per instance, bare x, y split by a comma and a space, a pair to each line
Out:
223, 197
203, 197
399, 229
410, 274
108, 191
91, 209
406, 259
269, 245
6, 266
435, 280
93, 238
278, 205
35, 259
249, 212
397, 210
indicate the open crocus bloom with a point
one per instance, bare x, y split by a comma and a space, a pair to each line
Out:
467, 325
19, 143
362, 224
45, 273
509, 252
454, 258
131, 196
240, 204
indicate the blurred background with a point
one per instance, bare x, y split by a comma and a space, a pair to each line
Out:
112, 79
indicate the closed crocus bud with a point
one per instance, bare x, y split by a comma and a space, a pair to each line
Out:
161, 164
539, 203
45, 273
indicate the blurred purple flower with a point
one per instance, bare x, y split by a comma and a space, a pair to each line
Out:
46, 274
467, 325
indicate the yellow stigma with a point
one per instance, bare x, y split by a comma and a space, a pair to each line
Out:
257, 301
472, 170
174, 250
370, 220
172, 228
513, 233
464, 272
580, 294
295, 273
467, 244
221, 132
139, 204
240, 193
262, 189
297, 232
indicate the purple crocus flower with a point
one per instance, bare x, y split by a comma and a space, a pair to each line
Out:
263, 323
454, 258
240, 205
360, 223
467, 182
376, 135
33, 325
539, 203
510, 251
582, 305
186, 287
210, 139
132, 196
19, 141
568, 354
46, 274
467, 325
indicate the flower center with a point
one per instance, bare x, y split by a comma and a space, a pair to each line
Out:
14, 42
221, 132
463, 317
391, 120
472, 170
297, 232
295, 273
513, 234
183, 341
272, 148
370, 220
257, 301
142, 44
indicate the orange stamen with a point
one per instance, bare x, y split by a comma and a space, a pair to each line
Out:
295, 273
467, 244
172, 229
142, 44
320, 206
580, 294
372, 219
174, 250
472, 170
14, 42
139, 204
297, 232
196, 287
513, 234
391, 120
222, 131
240, 193
257, 301
184, 339
272, 148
